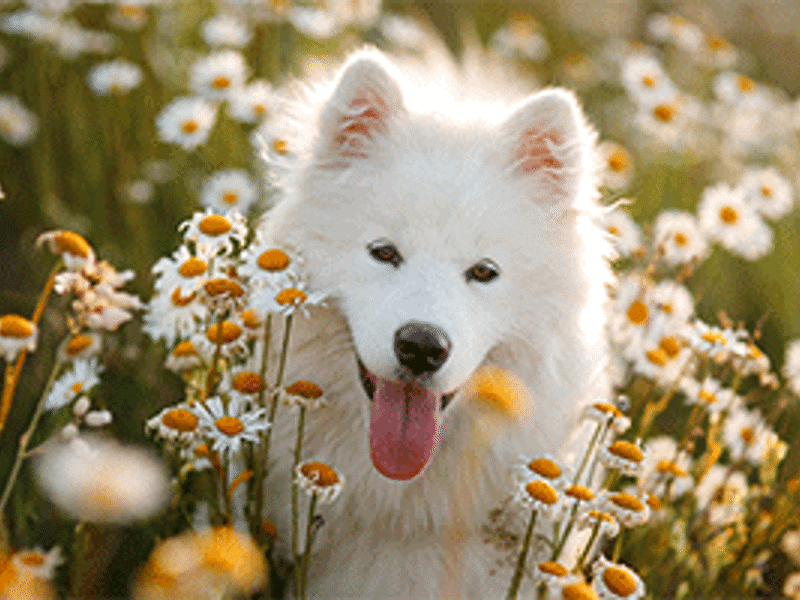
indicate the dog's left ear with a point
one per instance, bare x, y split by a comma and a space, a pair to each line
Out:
365, 99
547, 140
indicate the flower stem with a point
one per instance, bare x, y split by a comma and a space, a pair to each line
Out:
278, 381
523, 556
600, 426
307, 554
25, 438
298, 448
212, 372
13, 373
584, 555
255, 486
567, 530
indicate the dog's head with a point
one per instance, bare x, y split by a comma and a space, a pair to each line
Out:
441, 235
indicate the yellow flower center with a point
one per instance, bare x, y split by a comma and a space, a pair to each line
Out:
189, 126
627, 501
192, 267
179, 300
132, 11
320, 473
305, 389
745, 84
668, 466
728, 215
214, 225
649, 81
714, 337
619, 161
225, 332
273, 260
607, 408
280, 146
248, 382
553, 568
76, 387
680, 239
664, 113
291, 296
230, 197
223, 285
185, 349
716, 42
180, 419
259, 109
753, 352
545, 467
766, 191
578, 591
250, 319
619, 581
637, 312
707, 396
657, 356
747, 435
72, 243
613, 230
670, 345
15, 326
221, 82
78, 344
542, 491
653, 502
201, 450
581, 492
596, 514
626, 450
32, 559
229, 425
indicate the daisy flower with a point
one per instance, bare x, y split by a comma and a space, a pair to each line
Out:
315, 23
665, 469
306, 394
624, 231
623, 456
609, 526
80, 346
16, 334
714, 341
79, 379
675, 29
670, 123
617, 170
186, 121
225, 30
521, 37
544, 468
403, 32
37, 562
213, 233
631, 315
614, 581
769, 192
174, 423
673, 304
228, 427
266, 266
746, 434
551, 573
679, 238
791, 366
98, 480
726, 217
217, 75
184, 269
174, 315
184, 357
278, 142
603, 412
252, 103
739, 90
114, 78
709, 393
229, 189
717, 51
722, 493
663, 358
538, 495
320, 479
18, 125
288, 300
627, 509
227, 335
646, 81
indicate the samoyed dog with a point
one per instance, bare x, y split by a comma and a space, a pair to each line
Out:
450, 234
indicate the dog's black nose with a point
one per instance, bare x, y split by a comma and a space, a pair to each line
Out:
421, 347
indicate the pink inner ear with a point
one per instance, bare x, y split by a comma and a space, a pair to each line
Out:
365, 115
533, 153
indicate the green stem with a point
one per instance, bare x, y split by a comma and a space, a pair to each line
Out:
307, 554
523, 556
256, 484
600, 426
298, 448
563, 539
25, 439
595, 531
278, 381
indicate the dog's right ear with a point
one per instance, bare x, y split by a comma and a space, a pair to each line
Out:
365, 99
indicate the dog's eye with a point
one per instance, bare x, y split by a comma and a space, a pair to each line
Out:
483, 271
383, 251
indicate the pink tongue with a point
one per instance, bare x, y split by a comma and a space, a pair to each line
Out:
403, 429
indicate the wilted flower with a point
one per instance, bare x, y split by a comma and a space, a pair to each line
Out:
320, 479
16, 334
305, 394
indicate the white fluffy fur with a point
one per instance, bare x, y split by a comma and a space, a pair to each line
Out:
446, 182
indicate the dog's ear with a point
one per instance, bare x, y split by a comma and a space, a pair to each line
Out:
365, 99
547, 139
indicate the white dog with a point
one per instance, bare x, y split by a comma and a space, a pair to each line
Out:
449, 234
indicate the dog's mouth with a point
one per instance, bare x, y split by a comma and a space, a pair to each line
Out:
404, 425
